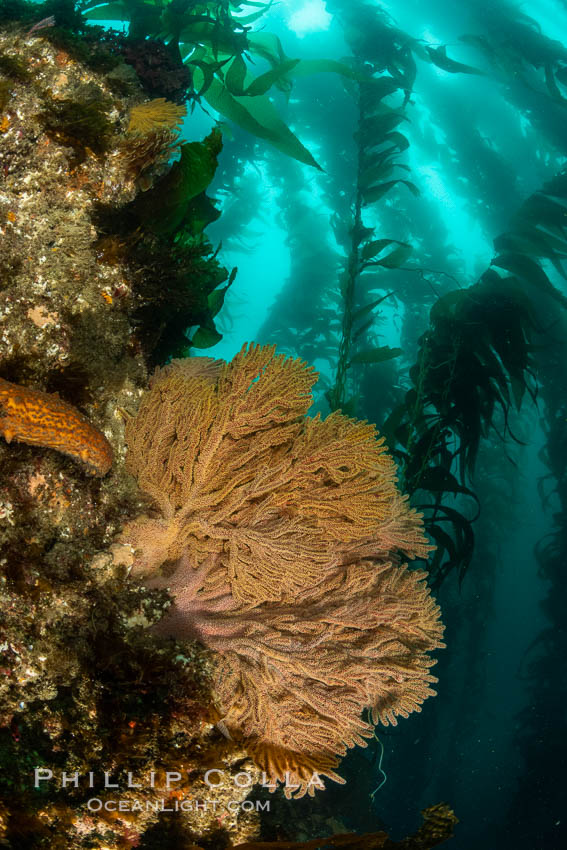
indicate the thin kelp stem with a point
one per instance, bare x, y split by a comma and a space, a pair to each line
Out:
378, 147
337, 397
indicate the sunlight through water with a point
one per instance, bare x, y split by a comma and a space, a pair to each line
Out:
311, 17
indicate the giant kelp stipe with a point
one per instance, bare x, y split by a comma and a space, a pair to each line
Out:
379, 191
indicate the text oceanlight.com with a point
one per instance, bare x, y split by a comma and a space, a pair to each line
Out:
95, 804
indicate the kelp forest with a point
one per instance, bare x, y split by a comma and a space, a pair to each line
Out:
283, 424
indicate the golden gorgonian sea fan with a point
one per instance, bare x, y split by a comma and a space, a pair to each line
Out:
155, 114
282, 538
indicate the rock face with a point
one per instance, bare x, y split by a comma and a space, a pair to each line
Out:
62, 133
64, 305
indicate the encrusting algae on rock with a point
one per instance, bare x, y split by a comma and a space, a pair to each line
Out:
43, 419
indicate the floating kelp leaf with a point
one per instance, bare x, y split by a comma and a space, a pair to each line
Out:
377, 127
436, 479
200, 212
265, 81
398, 139
438, 56
381, 169
216, 33
362, 330
246, 20
459, 548
395, 429
207, 70
527, 269
216, 297
445, 306
164, 207
408, 68
205, 337
444, 543
374, 193
381, 86
376, 355
384, 86
378, 154
365, 311
393, 260
156, 114
360, 232
446, 556
260, 118
536, 243
235, 76
545, 210
396, 258
370, 175
371, 249
268, 46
